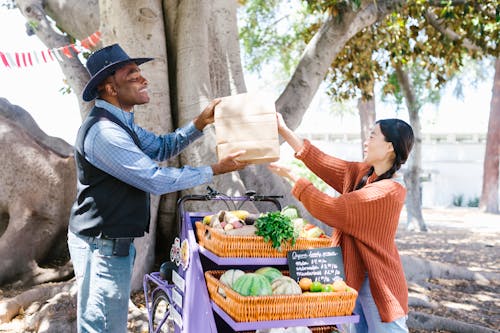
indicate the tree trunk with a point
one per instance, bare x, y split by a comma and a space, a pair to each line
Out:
367, 116
37, 187
414, 169
139, 28
489, 194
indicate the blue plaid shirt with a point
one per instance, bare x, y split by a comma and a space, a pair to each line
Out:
108, 147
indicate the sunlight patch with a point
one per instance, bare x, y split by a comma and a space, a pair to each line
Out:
458, 306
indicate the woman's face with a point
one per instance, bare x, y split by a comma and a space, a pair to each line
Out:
376, 149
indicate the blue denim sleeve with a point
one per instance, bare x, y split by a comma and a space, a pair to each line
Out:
163, 147
108, 147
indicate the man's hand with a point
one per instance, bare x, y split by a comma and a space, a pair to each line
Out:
206, 116
229, 163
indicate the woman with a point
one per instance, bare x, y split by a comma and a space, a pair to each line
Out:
365, 217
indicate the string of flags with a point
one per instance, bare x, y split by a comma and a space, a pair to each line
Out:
30, 58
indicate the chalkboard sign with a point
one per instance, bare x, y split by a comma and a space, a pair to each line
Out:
320, 264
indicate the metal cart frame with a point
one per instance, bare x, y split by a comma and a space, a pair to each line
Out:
189, 307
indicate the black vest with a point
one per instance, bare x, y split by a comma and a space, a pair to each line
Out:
105, 204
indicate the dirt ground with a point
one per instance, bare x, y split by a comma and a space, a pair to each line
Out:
462, 237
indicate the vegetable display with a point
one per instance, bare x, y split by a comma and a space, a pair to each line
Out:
268, 280
276, 228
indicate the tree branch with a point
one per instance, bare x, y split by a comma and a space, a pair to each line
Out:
319, 54
73, 70
441, 3
436, 23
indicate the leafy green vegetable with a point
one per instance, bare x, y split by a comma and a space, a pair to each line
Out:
276, 228
291, 211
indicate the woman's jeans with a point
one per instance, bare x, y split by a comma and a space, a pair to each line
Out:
369, 318
103, 284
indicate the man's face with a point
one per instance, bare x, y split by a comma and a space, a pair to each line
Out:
130, 86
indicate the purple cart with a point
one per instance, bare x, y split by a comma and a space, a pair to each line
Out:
180, 303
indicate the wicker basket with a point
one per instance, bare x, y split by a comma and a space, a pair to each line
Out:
278, 307
318, 329
250, 246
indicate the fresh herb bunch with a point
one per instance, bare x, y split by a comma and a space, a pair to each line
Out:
277, 228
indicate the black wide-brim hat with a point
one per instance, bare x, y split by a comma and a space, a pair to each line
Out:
102, 63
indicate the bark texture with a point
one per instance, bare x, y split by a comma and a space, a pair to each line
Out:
367, 116
414, 163
489, 194
37, 187
139, 28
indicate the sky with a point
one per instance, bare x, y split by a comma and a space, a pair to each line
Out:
37, 89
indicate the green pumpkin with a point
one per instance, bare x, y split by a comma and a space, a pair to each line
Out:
228, 278
252, 284
285, 285
270, 273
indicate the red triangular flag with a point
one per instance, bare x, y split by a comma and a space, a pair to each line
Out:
4, 59
17, 60
66, 52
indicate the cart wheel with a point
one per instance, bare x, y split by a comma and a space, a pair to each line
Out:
161, 310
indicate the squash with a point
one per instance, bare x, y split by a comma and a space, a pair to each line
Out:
251, 284
285, 285
228, 278
246, 230
271, 273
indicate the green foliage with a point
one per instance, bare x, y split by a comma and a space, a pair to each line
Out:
425, 87
474, 202
270, 31
406, 38
276, 228
280, 30
9, 4
458, 200
332, 5
416, 37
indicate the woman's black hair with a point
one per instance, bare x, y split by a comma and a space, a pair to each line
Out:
400, 134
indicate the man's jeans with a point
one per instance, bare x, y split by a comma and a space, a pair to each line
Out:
103, 284
369, 318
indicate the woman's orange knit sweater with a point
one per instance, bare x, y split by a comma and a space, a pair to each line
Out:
365, 223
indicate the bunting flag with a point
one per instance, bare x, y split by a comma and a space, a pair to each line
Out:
31, 58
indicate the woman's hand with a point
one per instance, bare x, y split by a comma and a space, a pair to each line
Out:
282, 127
288, 135
283, 171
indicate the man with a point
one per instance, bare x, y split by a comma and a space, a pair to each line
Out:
116, 174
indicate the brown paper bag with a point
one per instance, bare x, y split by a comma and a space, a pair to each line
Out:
247, 122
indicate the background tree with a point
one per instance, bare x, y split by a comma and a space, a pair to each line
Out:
489, 193
412, 52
